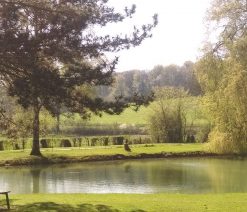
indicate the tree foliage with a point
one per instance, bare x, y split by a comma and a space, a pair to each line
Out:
16, 122
50, 48
222, 74
129, 82
167, 123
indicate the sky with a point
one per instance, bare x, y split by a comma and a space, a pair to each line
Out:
177, 38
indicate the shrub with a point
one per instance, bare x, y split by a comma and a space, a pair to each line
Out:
1, 146
44, 143
117, 140
203, 133
166, 126
224, 143
94, 141
105, 141
65, 143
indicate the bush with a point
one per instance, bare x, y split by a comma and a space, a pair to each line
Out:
203, 133
166, 126
117, 140
224, 143
1, 146
94, 141
16, 146
190, 138
44, 143
105, 141
65, 143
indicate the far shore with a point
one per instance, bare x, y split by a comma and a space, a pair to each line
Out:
110, 153
32, 160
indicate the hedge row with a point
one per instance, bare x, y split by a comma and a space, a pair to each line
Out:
75, 142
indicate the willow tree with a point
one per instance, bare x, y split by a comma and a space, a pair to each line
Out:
222, 72
50, 48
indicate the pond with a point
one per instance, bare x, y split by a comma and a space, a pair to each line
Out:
137, 176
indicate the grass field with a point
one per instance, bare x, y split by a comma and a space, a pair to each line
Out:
130, 117
129, 202
110, 150
68, 153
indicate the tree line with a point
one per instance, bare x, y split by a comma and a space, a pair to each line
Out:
144, 82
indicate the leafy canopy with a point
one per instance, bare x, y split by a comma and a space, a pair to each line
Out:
49, 48
222, 74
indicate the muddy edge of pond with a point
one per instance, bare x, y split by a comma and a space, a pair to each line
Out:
32, 160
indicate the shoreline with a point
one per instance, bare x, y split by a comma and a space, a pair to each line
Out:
34, 160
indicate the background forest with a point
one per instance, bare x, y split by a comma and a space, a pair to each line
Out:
137, 81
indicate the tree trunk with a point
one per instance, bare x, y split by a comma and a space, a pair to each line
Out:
58, 123
36, 148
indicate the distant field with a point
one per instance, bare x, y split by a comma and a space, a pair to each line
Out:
130, 117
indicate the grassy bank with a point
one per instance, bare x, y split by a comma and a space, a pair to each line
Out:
128, 202
59, 155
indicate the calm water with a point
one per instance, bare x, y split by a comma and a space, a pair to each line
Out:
146, 176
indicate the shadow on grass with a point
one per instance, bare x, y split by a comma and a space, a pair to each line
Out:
51, 206
3, 204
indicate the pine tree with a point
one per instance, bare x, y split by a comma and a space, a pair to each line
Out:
49, 49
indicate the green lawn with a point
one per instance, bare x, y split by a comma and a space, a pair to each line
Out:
129, 202
98, 150
130, 117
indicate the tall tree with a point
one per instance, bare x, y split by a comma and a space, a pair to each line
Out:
222, 74
50, 48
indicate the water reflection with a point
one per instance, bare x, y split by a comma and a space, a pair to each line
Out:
146, 176
35, 175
